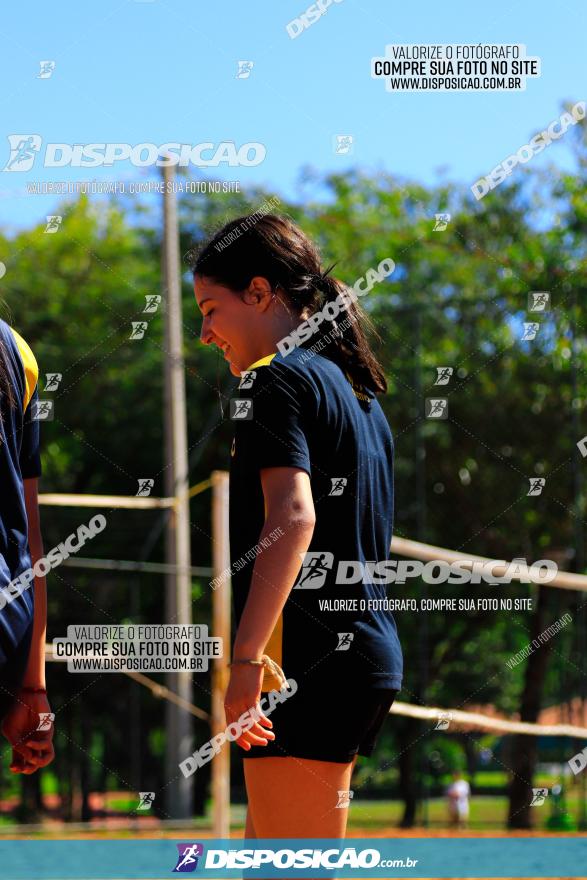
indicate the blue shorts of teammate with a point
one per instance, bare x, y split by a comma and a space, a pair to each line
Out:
12, 671
333, 724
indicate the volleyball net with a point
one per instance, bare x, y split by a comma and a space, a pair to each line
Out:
414, 550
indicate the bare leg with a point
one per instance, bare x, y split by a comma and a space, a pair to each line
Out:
249, 827
296, 797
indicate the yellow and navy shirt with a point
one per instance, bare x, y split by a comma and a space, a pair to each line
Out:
303, 411
19, 459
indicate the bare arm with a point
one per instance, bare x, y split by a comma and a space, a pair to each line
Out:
290, 507
289, 503
32, 746
35, 671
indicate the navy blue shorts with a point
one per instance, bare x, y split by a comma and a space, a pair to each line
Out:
333, 724
12, 671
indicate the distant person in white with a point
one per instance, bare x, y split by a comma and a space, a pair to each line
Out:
458, 794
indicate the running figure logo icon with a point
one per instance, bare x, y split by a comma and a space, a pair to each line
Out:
152, 302
530, 331
145, 486
247, 379
187, 861
241, 408
538, 796
443, 375
314, 570
537, 484
53, 223
146, 799
338, 484
436, 408
138, 329
343, 144
441, 222
443, 722
244, 69
539, 301
46, 719
23, 151
53, 380
344, 799
42, 410
47, 68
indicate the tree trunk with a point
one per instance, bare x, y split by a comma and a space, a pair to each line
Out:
28, 809
524, 748
86, 812
408, 784
469, 744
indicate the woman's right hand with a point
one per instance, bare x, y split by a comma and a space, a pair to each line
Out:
242, 695
31, 748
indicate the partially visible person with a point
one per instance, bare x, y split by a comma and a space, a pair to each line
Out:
458, 793
25, 718
312, 461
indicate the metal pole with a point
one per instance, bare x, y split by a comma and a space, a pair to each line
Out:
179, 728
579, 560
420, 450
220, 629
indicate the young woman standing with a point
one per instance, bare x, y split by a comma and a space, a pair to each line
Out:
311, 494
23, 612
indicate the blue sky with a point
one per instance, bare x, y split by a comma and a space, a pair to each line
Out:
160, 71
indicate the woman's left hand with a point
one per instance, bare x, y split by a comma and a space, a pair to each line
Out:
31, 748
242, 695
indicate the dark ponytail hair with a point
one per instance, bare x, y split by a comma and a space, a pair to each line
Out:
275, 248
6, 389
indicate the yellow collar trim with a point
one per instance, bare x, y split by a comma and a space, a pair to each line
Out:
262, 361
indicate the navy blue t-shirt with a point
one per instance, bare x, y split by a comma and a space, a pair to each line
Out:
304, 412
19, 459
